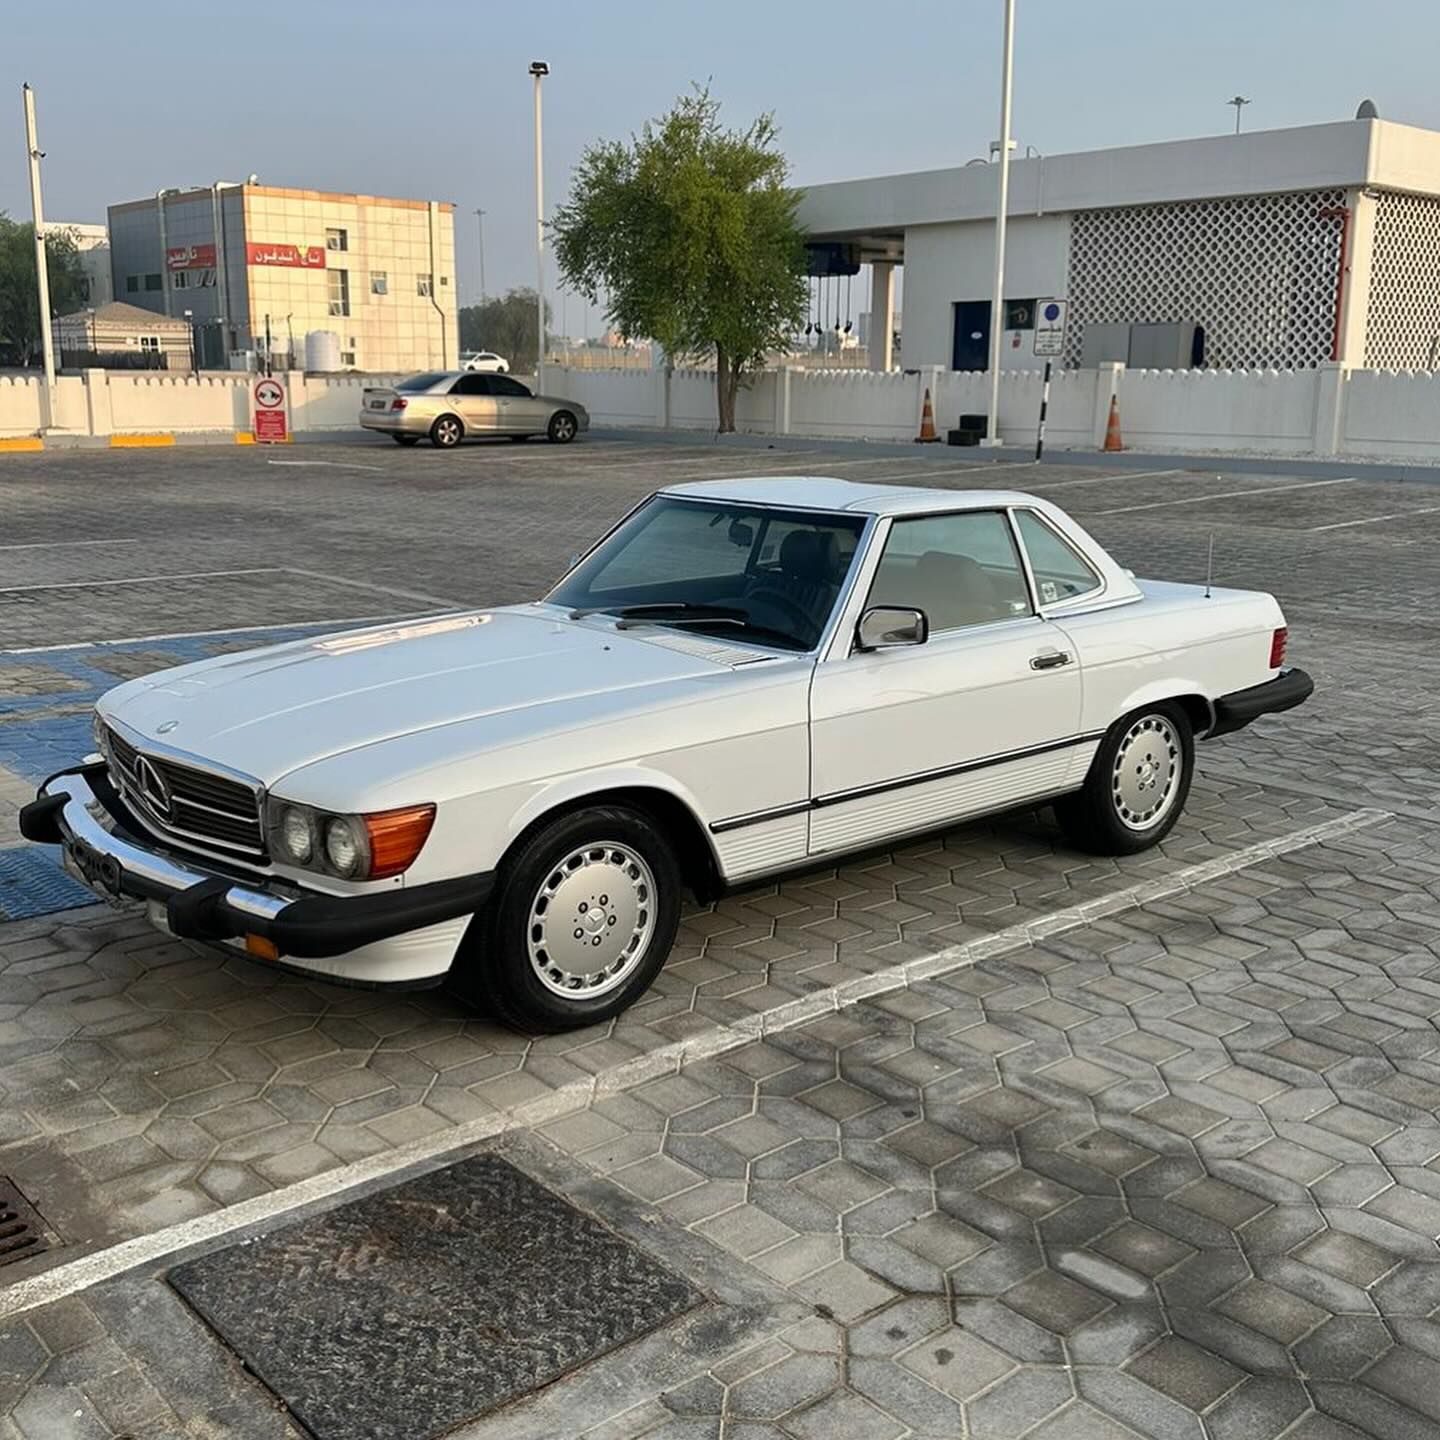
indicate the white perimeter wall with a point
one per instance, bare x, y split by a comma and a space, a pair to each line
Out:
1326, 411
119, 402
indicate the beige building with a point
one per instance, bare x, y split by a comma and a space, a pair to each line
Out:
125, 335
241, 260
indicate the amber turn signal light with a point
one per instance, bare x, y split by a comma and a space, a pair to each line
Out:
396, 837
261, 948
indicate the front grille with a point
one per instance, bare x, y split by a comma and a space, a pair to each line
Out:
209, 809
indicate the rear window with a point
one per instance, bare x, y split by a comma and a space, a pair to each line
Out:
422, 382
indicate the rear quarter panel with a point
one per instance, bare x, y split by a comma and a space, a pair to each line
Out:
1172, 642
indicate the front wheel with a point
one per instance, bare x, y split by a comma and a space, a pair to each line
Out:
562, 427
582, 920
446, 432
1137, 785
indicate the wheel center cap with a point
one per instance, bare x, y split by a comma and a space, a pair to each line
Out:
593, 920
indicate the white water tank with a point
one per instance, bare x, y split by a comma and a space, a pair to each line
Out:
322, 351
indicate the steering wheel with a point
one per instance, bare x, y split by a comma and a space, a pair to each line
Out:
779, 600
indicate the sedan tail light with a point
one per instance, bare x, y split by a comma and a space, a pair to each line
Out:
1277, 647
399, 403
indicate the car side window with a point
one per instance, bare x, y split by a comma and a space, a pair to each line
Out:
960, 569
504, 385
471, 385
1061, 572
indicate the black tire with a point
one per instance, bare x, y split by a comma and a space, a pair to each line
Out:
499, 965
563, 428
406, 439
447, 432
1125, 808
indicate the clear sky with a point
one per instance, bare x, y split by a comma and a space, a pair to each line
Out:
432, 100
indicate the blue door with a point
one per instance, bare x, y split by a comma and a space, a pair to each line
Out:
972, 335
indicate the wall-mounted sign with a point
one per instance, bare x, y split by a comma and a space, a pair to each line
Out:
190, 257
297, 257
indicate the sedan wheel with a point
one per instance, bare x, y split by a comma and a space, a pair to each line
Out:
446, 432
562, 427
1137, 784
584, 914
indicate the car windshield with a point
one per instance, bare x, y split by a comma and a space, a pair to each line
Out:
746, 572
422, 382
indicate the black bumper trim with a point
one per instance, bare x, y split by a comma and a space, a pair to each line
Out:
318, 926
1236, 710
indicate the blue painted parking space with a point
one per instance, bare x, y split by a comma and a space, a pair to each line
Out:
45, 705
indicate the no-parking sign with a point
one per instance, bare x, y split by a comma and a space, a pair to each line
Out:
1050, 327
272, 418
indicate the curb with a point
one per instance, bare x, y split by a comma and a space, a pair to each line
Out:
22, 443
141, 442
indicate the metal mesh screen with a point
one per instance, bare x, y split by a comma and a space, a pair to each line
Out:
1257, 272
1402, 324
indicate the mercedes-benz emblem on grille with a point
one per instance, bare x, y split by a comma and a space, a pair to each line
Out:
153, 786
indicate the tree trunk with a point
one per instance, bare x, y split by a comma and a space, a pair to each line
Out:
727, 382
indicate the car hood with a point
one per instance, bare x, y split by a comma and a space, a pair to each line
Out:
268, 712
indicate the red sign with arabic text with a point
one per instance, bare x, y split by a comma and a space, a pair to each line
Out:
190, 257
297, 257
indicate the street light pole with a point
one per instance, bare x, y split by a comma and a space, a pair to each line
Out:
1238, 102
480, 216
42, 271
1002, 199
539, 69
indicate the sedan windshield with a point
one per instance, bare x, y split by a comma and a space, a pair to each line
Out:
746, 572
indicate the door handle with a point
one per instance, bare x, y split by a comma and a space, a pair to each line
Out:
1050, 660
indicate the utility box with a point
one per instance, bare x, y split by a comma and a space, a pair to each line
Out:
1163, 347
1102, 343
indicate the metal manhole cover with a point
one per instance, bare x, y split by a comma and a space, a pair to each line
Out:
22, 1232
401, 1315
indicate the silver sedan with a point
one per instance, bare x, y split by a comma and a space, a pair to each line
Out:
447, 406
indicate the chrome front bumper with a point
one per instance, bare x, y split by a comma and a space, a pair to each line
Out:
107, 850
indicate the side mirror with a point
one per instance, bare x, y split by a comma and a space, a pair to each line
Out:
887, 626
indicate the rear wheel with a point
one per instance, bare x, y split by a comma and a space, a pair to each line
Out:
1137, 785
406, 439
562, 427
582, 920
446, 432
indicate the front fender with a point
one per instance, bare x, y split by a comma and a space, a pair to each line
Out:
565, 791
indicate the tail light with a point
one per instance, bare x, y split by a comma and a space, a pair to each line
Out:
1277, 647
399, 403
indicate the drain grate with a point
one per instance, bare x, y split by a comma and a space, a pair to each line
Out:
22, 1232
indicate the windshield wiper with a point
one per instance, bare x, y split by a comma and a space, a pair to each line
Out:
662, 607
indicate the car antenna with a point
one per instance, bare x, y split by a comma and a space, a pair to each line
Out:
1209, 564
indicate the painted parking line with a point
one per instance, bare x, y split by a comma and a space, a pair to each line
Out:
105, 1264
74, 544
331, 464
339, 622
1231, 495
1118, 475
1374, 519
141, 580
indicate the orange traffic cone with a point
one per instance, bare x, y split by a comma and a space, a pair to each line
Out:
927, 435
1112, 427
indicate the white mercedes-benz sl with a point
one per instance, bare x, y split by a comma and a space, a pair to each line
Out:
742, 677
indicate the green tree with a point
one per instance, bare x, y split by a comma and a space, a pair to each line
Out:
504, 324
689, 230
19, 298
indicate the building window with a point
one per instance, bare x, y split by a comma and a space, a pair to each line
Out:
150, 342
339, 281
379, 283
422, 285
347, 357
337, 239
132, 284
179, 280
444, 279
154, 282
